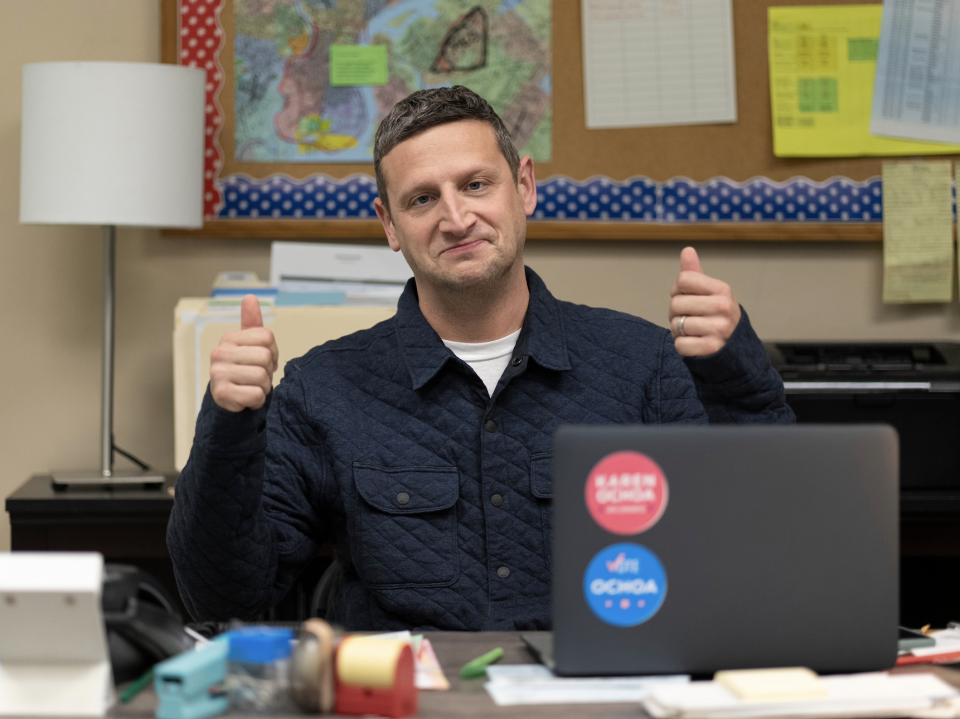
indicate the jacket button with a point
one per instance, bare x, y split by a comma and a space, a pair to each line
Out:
491, 425
496, 500
503, 572
403, 497
517, 361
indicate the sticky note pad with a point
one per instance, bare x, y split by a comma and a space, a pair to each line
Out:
772, 685
369, 661
358, 65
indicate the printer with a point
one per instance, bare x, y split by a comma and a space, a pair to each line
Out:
914, 386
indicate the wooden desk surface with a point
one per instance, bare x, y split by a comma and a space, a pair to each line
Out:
468, 698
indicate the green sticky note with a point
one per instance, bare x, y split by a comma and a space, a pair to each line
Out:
862, 49
358, 65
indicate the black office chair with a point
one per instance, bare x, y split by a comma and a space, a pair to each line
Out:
324, 595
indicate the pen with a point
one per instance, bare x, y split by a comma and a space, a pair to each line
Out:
131, 691
478, 667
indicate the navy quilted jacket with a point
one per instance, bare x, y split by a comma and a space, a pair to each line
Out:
386, 445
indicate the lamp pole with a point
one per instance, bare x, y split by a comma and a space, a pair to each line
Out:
106, 473
106, 400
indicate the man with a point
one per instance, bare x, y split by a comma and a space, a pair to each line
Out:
420, 448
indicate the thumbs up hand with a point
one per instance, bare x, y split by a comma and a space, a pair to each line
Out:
242, 365
703, 311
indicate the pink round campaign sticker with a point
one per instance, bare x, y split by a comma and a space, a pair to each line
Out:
626, 493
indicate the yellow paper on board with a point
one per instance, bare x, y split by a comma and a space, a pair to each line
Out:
822, 64
917, 231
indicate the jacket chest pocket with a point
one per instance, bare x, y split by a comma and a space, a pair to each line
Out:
541, 484
407, 521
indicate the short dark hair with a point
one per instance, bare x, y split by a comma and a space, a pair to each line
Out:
428, 108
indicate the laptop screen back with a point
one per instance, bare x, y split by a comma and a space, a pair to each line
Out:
695, 549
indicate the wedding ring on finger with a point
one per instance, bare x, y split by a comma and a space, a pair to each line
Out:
680, 322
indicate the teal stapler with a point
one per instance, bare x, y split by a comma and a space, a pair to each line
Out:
189, 684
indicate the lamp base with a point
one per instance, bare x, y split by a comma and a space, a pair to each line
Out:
95, 476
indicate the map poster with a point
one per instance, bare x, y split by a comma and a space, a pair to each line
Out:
287, 110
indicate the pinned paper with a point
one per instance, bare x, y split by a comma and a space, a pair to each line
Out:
358, 65
822, 65
658, 63
917, 231
917, 89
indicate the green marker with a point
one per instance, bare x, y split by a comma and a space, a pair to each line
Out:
131, 691
478, 667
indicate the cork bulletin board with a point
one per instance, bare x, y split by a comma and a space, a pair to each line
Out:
631, 169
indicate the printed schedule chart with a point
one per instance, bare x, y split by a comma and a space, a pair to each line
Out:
658, 62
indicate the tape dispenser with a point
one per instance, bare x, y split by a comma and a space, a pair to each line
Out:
375, 676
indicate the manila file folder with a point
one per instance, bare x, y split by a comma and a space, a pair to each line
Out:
199, 323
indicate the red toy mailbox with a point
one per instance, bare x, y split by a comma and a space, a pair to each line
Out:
375, 676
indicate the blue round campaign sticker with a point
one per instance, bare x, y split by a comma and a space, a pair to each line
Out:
625, 584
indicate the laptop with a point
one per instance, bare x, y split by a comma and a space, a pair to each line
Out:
687, 550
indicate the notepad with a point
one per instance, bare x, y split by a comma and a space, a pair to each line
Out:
772, 685
658, 62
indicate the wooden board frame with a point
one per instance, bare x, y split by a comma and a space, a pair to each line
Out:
739, 151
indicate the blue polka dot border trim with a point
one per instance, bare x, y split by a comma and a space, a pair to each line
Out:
280, 197
763, 200
597, 199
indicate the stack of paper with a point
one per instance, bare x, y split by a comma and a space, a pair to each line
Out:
945, 651
509, 685
361, 275
200, 322
875, 694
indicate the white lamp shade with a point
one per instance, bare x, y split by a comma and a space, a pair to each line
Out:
107, 143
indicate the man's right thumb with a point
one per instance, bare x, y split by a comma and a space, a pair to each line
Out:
250, 312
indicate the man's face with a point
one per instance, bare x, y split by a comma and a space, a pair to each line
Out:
455, 211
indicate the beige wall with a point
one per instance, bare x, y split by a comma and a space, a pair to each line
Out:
50, 277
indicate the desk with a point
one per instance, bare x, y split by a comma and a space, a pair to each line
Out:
118, 522
467, 697
129, 526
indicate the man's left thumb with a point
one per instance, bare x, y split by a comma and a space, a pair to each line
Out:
689, 262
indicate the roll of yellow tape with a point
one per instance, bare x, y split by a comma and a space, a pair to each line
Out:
368, 662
